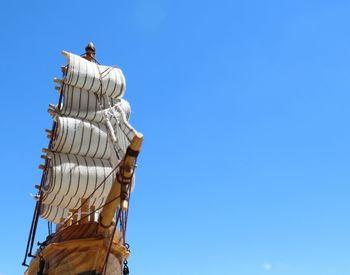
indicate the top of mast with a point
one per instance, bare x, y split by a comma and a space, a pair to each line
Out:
90, 52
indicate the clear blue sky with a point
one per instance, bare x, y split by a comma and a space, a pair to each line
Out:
245, 110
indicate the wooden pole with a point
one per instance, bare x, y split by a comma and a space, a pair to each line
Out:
52, 112
45, 157
45, 150
84, 210
90, 52
92, 215
64, 69
58, 81
119, 188
74, 217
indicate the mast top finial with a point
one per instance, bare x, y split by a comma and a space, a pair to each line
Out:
90, 52
90, 47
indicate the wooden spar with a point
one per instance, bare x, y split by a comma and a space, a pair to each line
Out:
84, 210
58, 81
74, 217
92, 213
45, 157
90, 52
52, 106
45, 150
65, 54
64, 69
125, 172
52, 112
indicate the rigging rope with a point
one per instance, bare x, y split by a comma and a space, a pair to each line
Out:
30, 235
32, 232
111, 241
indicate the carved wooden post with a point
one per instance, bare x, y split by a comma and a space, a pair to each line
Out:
90, 52
84, 217
125, 172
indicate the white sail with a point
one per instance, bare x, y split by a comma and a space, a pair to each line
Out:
99, 79
81, 137
52, 213
90, 137
74, 175
55, 214
82, 104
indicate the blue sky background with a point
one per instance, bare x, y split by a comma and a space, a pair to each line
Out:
245, 110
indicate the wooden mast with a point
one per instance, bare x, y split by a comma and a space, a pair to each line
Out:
90, 52
120, 187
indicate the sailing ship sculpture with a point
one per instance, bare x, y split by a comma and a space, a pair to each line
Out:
88, 173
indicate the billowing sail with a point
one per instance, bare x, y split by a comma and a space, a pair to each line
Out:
90, 136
